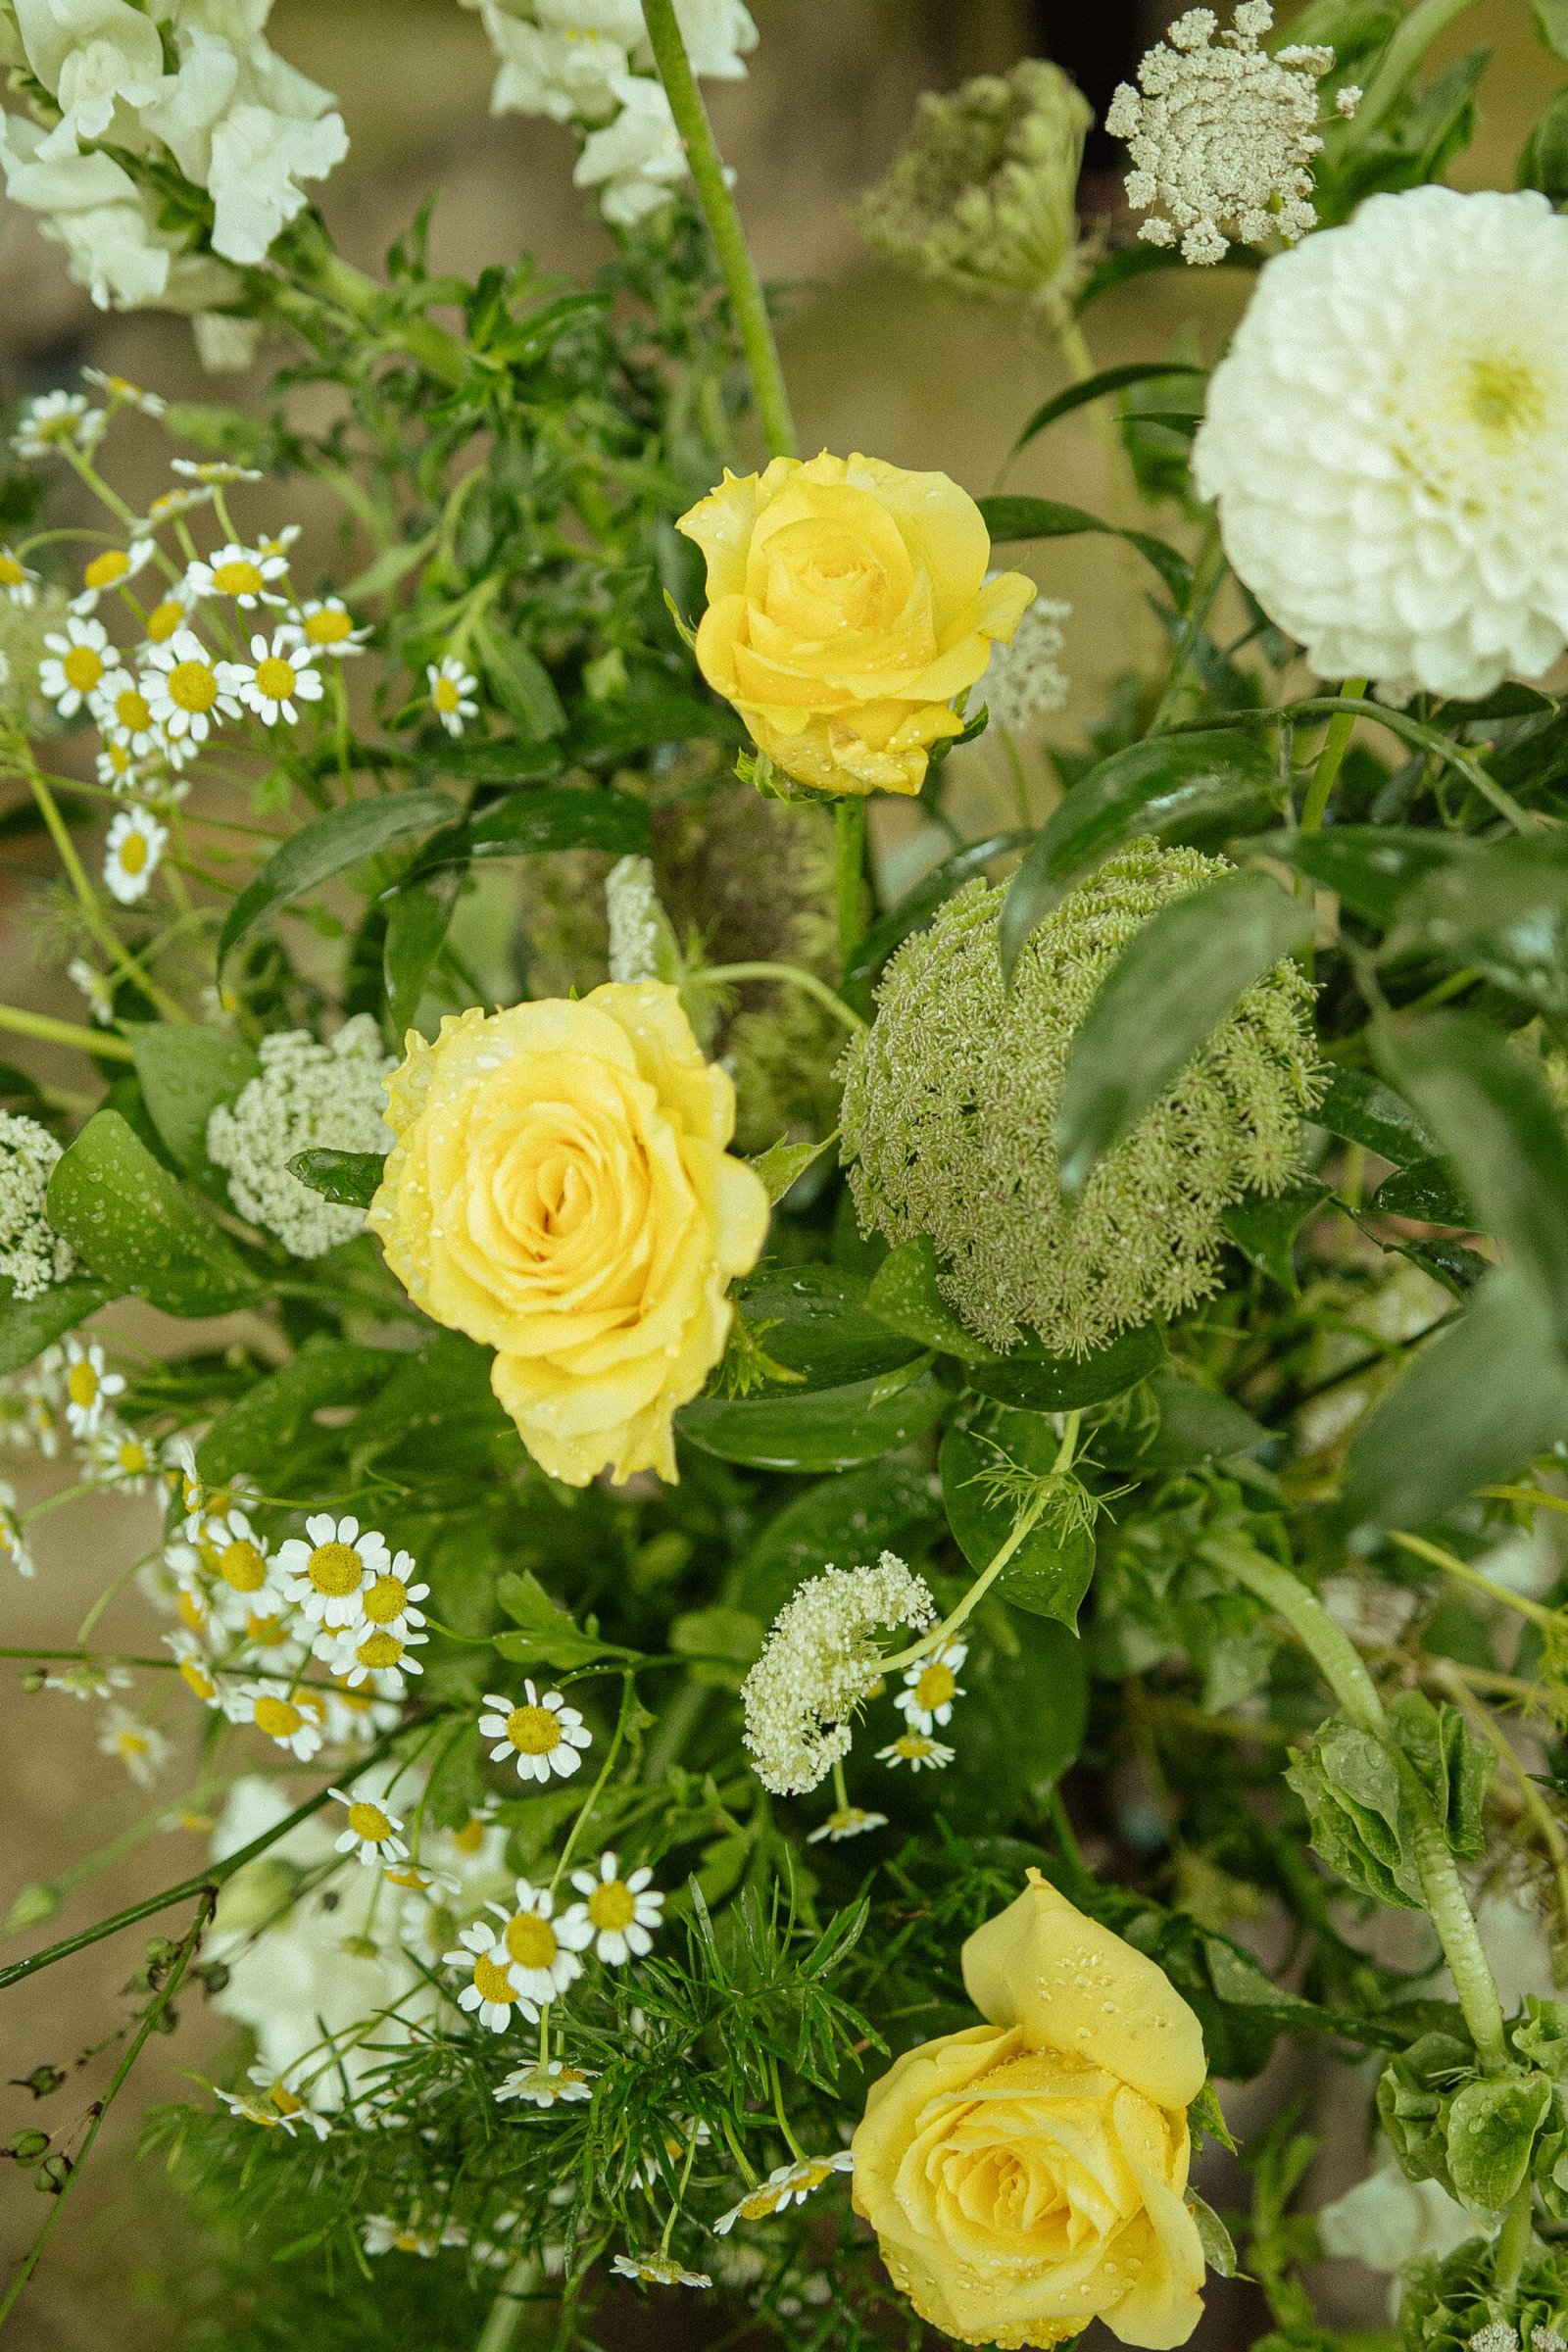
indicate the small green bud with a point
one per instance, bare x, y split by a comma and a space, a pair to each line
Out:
33, 1906
26, 2147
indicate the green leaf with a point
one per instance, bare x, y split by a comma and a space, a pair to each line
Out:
1059, 1384
1053, 1567
547, 1637
783, 1163
560, 816
1552, 23
1369, 868
1427, 1192
139, 1230
343, 836
823, 1429
1264, 1230
28, 1326
1196, 1424
1491, 2129
186, 1073
1219, 2251
1045, 518
906, 1296
1176, 980
268, 1417
919, 908
417, 916
1095, 387
1363, 1110
1022, 1720
519, 681
812, 1320
845, 1522
724, 1642
1543, 162
1504, 1134
1148, 787
628, 723
1501, 908
350, 1178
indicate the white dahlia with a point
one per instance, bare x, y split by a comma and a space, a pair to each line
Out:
1388, 442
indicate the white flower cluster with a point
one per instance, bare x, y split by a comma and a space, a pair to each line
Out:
1223, 137
588, 62
33, 1255
631, 906
1387, 439
308, 1097
232, 117
819, 1662
1022, 682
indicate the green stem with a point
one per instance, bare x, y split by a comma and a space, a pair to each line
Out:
723, 226
1209, 574
1411, 43
1331, 1650
1330, 758
65, 1032
87, 898
1513, 2239
1023, 1526
1452, 1565
628, 1697
849, 828
790, 974
500, 2330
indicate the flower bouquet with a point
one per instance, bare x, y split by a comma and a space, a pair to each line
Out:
834, 1538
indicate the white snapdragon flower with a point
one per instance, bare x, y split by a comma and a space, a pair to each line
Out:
94, 57
635, 161
566, 77
247, 130
308, 1097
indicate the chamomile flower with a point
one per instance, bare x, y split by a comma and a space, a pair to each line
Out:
169, 504
241, 572
451, 688
848, 1821
353, 1717
542, 1735
124, 716
13, 1536
325, 624
143, 1750
917, 1751
658, 2269
377, 1658
291, 1722
88, 1680
169, 614
76, 662
492, 1995
131, 854
439, 1884
550, 2085
195, 1667
237, 1557
373, 1831
380, 2235
541, 1949
118, 1458
88, 1387
274, 2107
215, 473
275, 680
930, 1686
621, 1911
388, 1602
187, 689
328, 1571
787, 2185
123, 393
112, 569
55, 417
16, 583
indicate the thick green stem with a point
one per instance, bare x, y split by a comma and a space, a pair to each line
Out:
849, 826
725, 228
789, 975
1330, 758
1331, 1650
51, 1032
500, 2330
1513, 2239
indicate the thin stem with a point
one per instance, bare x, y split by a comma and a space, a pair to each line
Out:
1452, 1565
627, 1696
1533, 1804
87, 898
725, 228
719, 975
1330, 758
1023, 1526
64, 1033
849, 831
840, 1794
793, 2146
1209, 574
1526, 1494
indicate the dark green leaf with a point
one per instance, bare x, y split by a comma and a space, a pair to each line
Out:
812, 1320
1368, 867
510, 761
1059, 1384
1149, 787
823, 1429
1047, 519
519, 681
560, 817
547, 1637
919, 908
844, 1523
1094, 387
1544, 163
1503, 908
628, 723
1051, 1570
1264, 1230
904, 1294
28, 1326
1552, 23
350, 1178
416, 919
343, 836
252, 1432
186, 1073
139, 1230
1023, 1717
1363, 1110
1425, 1191
1195, 1425
1175, 981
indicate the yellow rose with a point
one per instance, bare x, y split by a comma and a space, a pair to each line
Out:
846, 605
559, 1189
1027, 2176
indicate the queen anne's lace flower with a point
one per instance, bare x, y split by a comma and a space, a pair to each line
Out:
307, 1096
1222, 135
1388, 442
33, 1255
820, 1663
1022, 682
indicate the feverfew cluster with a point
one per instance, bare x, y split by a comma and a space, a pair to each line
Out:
588, 62
33, 1255
1223, 136
127, 100
1022, 682
951, 1101
820, 1663
308, 1097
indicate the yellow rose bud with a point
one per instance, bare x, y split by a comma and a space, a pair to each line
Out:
846, 605
559, 1189
1027, 2176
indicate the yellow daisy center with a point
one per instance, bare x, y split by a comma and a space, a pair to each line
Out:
132, 852
378, 1650
335, 1569
533, 1731
241, 1565
284, 2100
386, 1600
193, 686
130, 709
471, 1838
164, 620
199, 1680
189, 1614
325, 627
12, 575
446, 695
105, 569
936, 1685
492, 1982
82, 668
132, 1457
266, 1631
241, 577
274, 677
368, 1821
531, 1940
278, 1718
131, 1743
81, 1384
612, 1905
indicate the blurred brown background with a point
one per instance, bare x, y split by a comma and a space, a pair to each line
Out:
875, 363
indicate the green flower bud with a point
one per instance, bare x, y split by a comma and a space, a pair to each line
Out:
981, 195
1443, 2306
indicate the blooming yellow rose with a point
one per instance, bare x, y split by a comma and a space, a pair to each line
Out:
559, 1189
1026, 2176
846, 605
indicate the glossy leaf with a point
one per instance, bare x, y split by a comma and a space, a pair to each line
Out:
1051, 1571
1047, 519
1426, 1192
350, 1178
1023, 1717
1095, 387
1058, 1383
1368, 867
416, 920
844, 1522
784, 1163
1187, 1425
906, 1296
1264, 1230
919, 908
186, 1072
1503, 908
342, 838
138, 1229
817, 1430
1361, 1109
547, 1635
1149, 787
812, 1320
1174, 983
560, 817
256, 1429
28, 1326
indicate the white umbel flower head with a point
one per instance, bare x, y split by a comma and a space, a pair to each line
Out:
307, 1096
818, 1663
1387, 441
1223, 136
33, 1255
1022, 682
